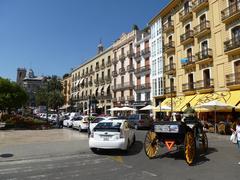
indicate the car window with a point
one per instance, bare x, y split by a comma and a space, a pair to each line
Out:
108, 126
97, 120
113, 118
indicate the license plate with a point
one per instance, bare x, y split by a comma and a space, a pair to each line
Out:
106, 139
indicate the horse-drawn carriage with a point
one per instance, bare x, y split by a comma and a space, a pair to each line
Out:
187, 135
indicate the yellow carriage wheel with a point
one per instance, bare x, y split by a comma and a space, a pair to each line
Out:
204, 142
151, 144
190, 148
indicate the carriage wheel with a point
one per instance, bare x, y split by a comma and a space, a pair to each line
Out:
190, 148
151, 144
204, 142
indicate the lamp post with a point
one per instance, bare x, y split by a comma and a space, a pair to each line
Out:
171, 91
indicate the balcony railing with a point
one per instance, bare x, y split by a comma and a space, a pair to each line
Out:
190, 61
142, 86
130, 53
169, 46
138, 56
102, 66
130, 98
102, 81
231, 10
168, 90
170, 67
204, 84
188, 86
96, 81
199, 4
121, 99
185, 14
186, 36
168, 26
108, 79
122, 71
233, 79
145, 52
115, 60
114, 100
108, 63
130, 68
114, 73
91, 71
232, 44
204, 54
90, 83
122, 57
203, 27
97, 68
142, 69
128, 85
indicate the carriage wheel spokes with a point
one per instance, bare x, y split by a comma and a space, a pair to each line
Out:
204, 142
190, 148
151, 144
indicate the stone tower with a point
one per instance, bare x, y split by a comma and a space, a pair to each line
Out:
21, 74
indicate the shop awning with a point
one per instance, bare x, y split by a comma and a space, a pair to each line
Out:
184, 100
81, 81
106, 87
100, 89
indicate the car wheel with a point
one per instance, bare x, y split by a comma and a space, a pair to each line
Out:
80, 129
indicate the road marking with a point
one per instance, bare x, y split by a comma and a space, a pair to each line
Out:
149, 173
117, 158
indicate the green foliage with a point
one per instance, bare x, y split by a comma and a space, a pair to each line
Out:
55, 99
12, 96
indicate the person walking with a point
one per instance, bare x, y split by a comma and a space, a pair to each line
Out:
237, 131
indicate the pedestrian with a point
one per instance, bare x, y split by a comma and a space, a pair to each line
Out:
236, 129
189, 111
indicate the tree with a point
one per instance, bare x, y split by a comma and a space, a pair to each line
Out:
12, 96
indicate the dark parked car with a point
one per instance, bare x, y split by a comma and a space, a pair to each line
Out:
140, 121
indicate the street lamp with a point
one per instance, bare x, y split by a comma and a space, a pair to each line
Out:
171, 91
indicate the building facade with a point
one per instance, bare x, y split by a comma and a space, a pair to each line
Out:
91, 83
156, 59
201, 51
66, 84
123, 70
142, 69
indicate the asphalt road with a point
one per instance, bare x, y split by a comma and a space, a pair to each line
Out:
70, 158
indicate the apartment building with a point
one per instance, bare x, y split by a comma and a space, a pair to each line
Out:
142, 69
123, 69
91, 83
201, 52
156, 59
66, 84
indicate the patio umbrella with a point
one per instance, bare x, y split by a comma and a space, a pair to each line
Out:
148, 107
215, 106
127, 109
162, 108
115, 109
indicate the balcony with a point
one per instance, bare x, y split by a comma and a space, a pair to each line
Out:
102, 81
169, 47
188, 87
130, 98
130, 53
130, 68
114, 100
91, 71
122, 57
138, 56
168, 27
168, 90
189, 62
124, 86
90, 83
142, 70
96, 81
102, 66
121, 99
97, 68
115, 60
198, 5
202, 29
185, 14
204, 85
231, 13
187, 37
142, 87
122, 71
233, 80
232, 46
108, 79
114, 74
108, 64
86, 84
204, 56
105, 97
146, 52
170, 68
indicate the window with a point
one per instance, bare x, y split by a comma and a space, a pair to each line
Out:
147, 96
138, 96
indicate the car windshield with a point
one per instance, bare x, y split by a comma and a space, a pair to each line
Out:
108, 126
133, 117
77, 118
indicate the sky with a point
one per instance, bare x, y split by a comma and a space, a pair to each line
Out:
53, 36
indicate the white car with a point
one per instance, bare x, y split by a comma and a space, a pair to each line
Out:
109, 134
97, 120
80, 123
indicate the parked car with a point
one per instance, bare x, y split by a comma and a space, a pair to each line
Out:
93, 123
81, 123
68, 122
109, 134
140, 121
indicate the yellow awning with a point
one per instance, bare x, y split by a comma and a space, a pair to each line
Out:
234, 98
184, 101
